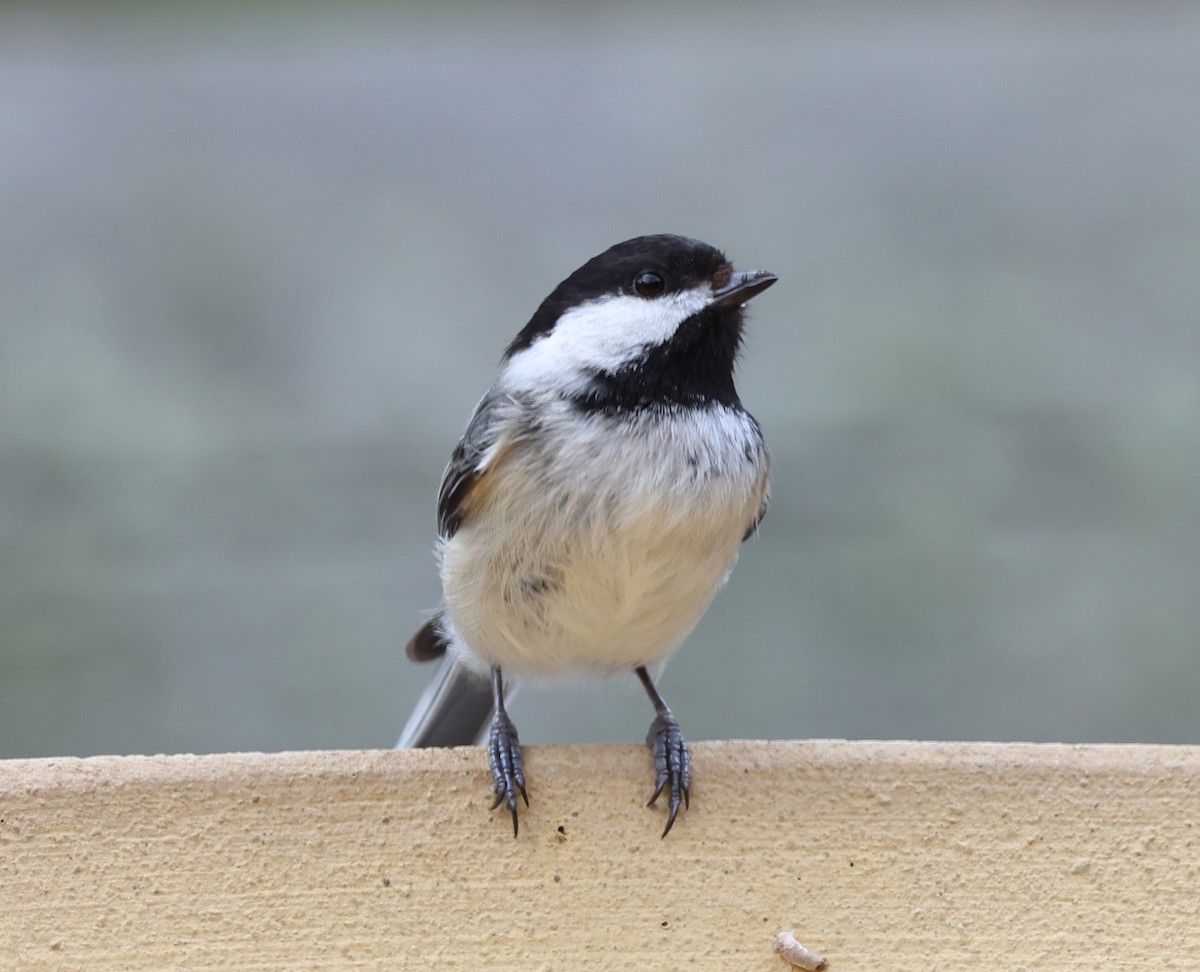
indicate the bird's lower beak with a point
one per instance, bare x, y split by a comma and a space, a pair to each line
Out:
743, 284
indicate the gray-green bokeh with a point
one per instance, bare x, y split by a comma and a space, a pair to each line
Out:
257, 264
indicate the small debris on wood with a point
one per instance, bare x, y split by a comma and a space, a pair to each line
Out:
799, 956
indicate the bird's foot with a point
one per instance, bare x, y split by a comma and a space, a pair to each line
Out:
672, 765
504, 757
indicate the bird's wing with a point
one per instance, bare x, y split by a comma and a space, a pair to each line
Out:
753, 527
763, 488
475, 453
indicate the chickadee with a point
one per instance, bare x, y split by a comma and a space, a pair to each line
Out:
597, 500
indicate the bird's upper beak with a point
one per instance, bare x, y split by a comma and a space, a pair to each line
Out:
742, 285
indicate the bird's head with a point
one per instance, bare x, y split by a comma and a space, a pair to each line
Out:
656, 320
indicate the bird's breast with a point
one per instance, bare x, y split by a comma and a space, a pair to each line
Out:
598, 541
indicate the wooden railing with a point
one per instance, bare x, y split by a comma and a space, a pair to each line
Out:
880, 856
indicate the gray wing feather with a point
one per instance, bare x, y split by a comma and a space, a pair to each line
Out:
466, 462
764, 482
753, 527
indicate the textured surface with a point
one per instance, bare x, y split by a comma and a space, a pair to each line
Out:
880, 856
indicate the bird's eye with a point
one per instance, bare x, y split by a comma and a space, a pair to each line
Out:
649, 284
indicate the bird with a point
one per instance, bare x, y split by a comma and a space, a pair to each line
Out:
597, 500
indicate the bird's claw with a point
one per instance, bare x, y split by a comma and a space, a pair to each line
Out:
672, 765
504, 757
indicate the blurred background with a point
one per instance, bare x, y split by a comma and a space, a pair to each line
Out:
258, 261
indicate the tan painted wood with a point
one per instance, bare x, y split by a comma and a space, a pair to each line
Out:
881, 856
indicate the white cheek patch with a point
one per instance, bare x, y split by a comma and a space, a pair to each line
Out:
602, 335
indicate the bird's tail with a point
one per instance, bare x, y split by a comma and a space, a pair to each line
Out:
454, 710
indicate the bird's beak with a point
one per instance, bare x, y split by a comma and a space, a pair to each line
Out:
743, 284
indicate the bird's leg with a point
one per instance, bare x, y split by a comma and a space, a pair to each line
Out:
672, 763
504, 754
